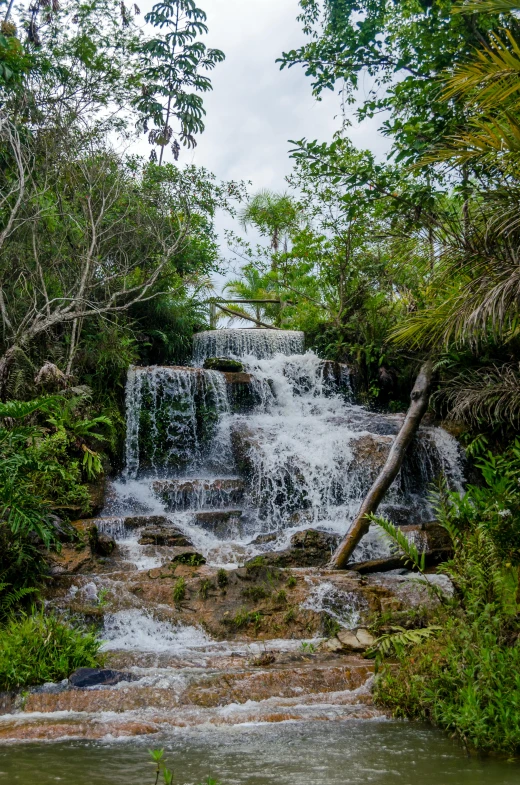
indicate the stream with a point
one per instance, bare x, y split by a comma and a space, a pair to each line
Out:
340, 753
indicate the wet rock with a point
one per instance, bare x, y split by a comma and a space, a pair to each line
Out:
186, 494
138, 521
70, 561
222, 364
263, 660
223, 523
171, 536
309, 548
264, 539
315, 542
91, 677
96, 492
102, 544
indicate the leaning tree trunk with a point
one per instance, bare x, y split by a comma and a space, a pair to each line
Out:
418, 406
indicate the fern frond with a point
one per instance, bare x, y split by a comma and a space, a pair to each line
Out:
407, 547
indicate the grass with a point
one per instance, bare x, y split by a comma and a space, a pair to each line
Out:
222, 578
179, 590
244, 618
280, 598
204, 588
331, 626
466, 681
40, 648
291, 582
255, 593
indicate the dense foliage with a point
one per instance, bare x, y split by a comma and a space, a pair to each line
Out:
465, 677
41, 648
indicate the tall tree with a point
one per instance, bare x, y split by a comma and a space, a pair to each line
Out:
171, 75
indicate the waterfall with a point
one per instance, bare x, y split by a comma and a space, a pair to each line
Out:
301, 453
239, 343
172, 416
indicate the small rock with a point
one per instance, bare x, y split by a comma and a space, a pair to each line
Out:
349, 641
365, 637
92, 677
266, 658
356, 640
332, 644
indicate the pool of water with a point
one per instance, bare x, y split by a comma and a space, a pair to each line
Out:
292, 753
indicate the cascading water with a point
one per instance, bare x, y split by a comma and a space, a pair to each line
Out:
240, 343
302, 454
229, 466
171, 414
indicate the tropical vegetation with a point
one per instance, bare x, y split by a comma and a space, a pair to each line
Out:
106, 260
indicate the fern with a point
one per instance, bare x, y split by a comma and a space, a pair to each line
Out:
10, 599
408, 548
399, 639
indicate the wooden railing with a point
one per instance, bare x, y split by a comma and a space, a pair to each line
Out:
221, 303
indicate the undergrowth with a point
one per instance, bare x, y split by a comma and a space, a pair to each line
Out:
458, 664
39, 648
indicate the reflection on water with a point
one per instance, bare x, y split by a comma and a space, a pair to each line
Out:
339, 753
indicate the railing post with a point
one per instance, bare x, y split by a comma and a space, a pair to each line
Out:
212, 316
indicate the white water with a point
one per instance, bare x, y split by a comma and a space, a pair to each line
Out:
308, 451
239, 343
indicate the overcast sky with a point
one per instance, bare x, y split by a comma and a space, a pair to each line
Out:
254, 108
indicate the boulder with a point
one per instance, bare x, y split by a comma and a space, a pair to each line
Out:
314, 541
92, 677
138, 521
430, 538
332, 645
104, 545
309, 548
171, 536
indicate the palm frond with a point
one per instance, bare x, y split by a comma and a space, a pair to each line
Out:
486, 6
488, 395
492, 78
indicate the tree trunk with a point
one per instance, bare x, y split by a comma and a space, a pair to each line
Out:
418, 406
6, 362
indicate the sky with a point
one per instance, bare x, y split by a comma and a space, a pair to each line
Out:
254, 108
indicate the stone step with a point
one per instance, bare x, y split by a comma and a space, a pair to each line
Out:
314, 677
198, 494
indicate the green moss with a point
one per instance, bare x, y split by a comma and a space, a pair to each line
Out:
223, 364
222, 578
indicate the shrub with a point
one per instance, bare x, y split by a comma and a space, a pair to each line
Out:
467, 682
40, 648
222, 578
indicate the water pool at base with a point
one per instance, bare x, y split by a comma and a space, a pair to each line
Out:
335, 753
